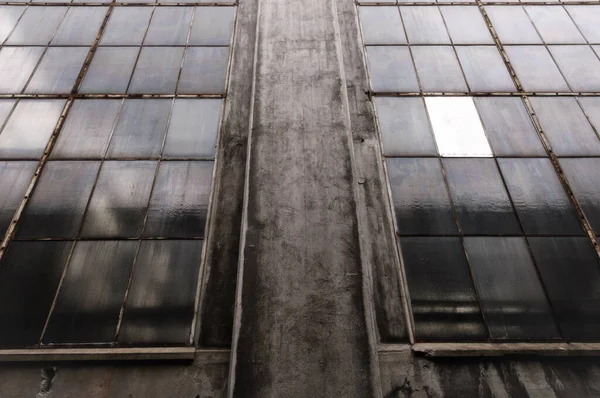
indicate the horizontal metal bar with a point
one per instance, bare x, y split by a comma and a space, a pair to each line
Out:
108, 354
483, 94
107, 96
109, 4
503, 349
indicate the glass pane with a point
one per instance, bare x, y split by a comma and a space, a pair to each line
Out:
438, 69
511, 295
157, 70
591, 107
420, 197
554, 25
404, 127
27, 289
485, 70
579, 65
212, 26
538, 196
179, 203
443, 300
584, 178
29, 128
80, 26
141, 128
424, 25
509, 127
37, 26
14, 180
391, 69
193, 128
110, 70
586, 18
381, 25
16, 65
87, 130
160, 304
170, 26
126, 26
118, 205
58, 70
535, 69
512, 25
566, 126
6, 106
480, 199
204, 70
56, 208
466, 25
457, 127
571, 273
89, 301
9, 17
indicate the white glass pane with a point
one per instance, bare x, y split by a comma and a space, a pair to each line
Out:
457, 127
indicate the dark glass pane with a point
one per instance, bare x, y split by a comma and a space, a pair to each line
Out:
118, 205
554, 24
438, 69
586, 18
480, 199
391, 69
157, 70
536, 69
29, 128
511, 295
59, 199
204, 70
90, 299
466, 25
584, 179
179, 203
29, 276
512, 25
86, 131
509, 127
381, 25
213, 26
424, 25
14, 180
170, 26
126, 26
541, 202
485, 69
160, 304
9, 16
141, 128
404, 126
570, 271
566, 126
80, 26
193, 128
444, 303
16, 64
420, 197
37, 26
579, 65
110, 70
57, 71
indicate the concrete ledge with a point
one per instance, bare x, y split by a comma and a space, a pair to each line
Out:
109, 354
504, 349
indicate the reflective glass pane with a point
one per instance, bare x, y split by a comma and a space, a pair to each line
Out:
9, 16
554, 25
484, 68
14, 180
193, 128
80, 26
443, 300
126, 26
160, 303
457, 127
438, 69
536, 69
157, 70
466, 25
179, 203
584, 178
37, 26
420, 197
539, 198
58, 70
16, 65
92, 293
204, 70
391, 69
381, 25
579, 65
591, 107
404, 127
511, 295
424, 25
212, 26
512, 25
170, 26
120, 199
56, 207
586, 18
110, 70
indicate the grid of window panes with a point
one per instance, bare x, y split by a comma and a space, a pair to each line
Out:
118, 107
493, 245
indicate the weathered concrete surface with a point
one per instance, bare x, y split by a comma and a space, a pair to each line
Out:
303, 329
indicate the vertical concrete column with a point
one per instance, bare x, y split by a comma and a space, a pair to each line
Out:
300, 328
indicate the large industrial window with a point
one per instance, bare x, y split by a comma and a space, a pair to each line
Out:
489, 125
109, 118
